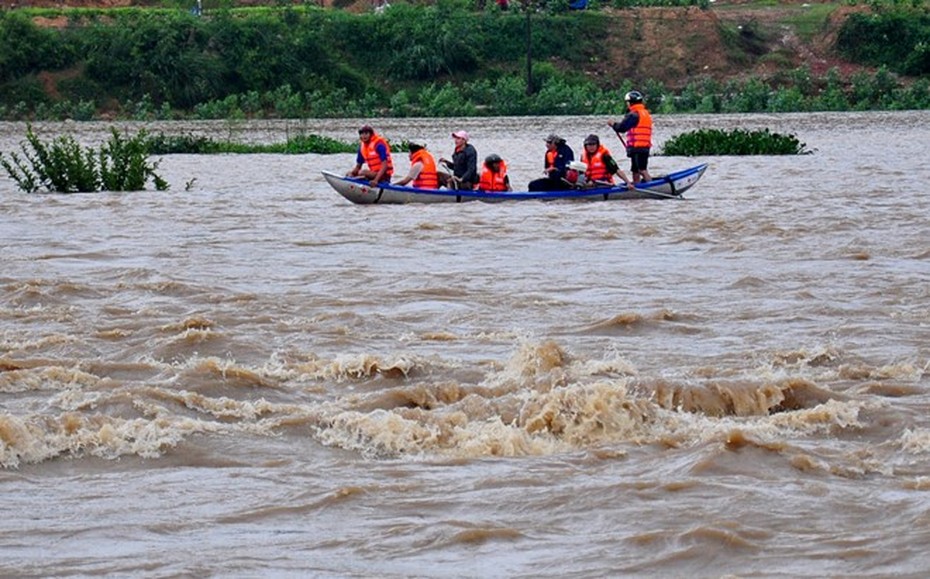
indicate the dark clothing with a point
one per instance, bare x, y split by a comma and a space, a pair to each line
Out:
611, 164
555, 181
639, 160
465, 166
629, 121
563, 156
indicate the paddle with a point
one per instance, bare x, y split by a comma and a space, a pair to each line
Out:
630, 187
619, 136
642, 191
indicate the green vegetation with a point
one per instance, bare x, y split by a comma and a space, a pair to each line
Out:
899, 40
811, 19
162, 144
444, 59
64, 166
735, 142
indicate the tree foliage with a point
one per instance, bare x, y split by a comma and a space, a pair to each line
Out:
897, 39
440, 59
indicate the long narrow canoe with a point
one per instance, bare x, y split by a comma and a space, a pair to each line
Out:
359, 191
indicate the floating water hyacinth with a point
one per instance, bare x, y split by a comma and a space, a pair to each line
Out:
733, 142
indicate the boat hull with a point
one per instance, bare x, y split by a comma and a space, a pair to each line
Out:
359, 191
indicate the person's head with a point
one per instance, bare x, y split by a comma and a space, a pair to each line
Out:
365, 132
493, 161
414, 145
633, 97
553, 141
460, 137
592, 142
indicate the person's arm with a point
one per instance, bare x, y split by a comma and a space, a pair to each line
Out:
413, 174
628, 122
471, 165
507, 182
359, 160
614, 169
563, 157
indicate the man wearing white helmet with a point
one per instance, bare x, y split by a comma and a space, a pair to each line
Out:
637, 124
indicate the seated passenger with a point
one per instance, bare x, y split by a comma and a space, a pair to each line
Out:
422, 167
464, 164
558, 156
494, 177
601, 165
375, 152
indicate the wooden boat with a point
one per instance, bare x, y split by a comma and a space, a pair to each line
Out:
359, 191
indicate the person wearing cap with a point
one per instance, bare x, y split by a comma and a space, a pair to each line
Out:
374, 151
464, 164
601, 165
555, 164
637, 124
422, 167
494, 177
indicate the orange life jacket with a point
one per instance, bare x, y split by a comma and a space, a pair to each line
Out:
640, 136
597, 169
491, 181
427, 179
370, 154
551, 156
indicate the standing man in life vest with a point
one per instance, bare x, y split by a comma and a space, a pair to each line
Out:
637, 124
494, 177
601, 165
374, 151
422, 167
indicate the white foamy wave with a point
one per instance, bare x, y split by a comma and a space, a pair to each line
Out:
34, 438
48, 378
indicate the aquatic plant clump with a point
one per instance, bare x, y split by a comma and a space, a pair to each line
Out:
733, 142
301, 144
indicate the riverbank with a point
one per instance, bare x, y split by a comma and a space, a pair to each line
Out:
442, 60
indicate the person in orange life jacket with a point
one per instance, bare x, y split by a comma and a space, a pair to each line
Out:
464, 164
601, 165
374, 151
637, 124
558, 156
494, 178
422, 168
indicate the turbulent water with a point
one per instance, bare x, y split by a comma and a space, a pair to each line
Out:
254, 377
